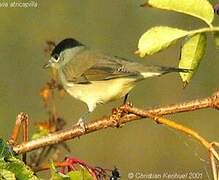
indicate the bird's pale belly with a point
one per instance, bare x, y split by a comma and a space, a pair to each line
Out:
99, 92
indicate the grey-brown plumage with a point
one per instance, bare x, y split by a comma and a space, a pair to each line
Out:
95, 66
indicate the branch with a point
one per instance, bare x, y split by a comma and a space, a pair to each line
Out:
177, 126
117, 119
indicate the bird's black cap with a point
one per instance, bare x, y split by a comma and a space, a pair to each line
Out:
65, 44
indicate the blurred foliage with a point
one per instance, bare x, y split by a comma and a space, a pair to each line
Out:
78, 169
11, 167
77, 174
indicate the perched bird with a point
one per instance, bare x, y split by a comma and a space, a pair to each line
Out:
96, 78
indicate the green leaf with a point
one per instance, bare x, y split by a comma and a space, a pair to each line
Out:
17, 167
59, 176
8, 175
75, 175
5, 150
158, 38
82, 174
201, 9
40, 133
191, 54
11, 166
55, 175
216, 38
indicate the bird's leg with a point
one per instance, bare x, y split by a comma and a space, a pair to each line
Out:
81, 121
125, 99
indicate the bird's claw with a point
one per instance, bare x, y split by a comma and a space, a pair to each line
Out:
129, 104
81, 123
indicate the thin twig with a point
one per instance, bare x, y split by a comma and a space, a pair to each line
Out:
213, 166
22, 119
172, 124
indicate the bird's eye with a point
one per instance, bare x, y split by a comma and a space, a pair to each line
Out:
56, 57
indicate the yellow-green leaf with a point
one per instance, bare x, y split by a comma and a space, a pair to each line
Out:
40, 133
5, 150
10, 166
7, 175
80, 174
158, 38
55, 175
18, 168
191, 54
216, 38
201, 9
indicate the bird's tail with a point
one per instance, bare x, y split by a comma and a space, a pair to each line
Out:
160, 70
165, 70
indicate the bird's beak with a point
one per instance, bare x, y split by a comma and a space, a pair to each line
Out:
47, 65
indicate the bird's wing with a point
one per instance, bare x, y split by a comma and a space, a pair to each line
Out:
96, 67
107, 69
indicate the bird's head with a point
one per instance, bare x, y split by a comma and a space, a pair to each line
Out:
63, 51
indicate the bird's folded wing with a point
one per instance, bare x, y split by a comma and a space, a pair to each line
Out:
107, 71
104, 69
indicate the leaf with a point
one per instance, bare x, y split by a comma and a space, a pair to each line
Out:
40, 133
81, 174
75, 175
5, 150
158, 38
216, 38
191, 54
55, 175
10, 165
8, 175
59, 176
16, 166
201, 9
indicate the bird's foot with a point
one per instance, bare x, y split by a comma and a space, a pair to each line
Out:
117, 114
81, 123
123, 107
128, 104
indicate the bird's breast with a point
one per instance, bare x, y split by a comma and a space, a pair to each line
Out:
101, 91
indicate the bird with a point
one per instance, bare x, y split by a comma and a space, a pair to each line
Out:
96, 78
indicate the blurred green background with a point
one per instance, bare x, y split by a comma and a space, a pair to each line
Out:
113, 27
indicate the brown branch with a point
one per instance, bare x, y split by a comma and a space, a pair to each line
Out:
114, 120
22, 119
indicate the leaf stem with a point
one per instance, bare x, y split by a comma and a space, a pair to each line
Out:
202, 30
